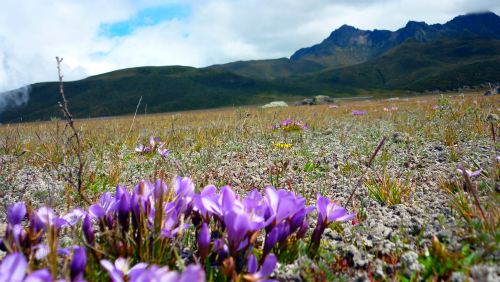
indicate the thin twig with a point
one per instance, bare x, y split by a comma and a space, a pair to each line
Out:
472, 189
76, 135
379, 146
133, 120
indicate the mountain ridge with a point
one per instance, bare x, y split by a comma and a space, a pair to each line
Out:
417, 57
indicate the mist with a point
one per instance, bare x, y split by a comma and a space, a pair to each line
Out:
14, 98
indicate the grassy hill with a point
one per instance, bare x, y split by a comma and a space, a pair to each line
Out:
162, 88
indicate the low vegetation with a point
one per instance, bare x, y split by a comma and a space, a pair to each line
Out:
314, 193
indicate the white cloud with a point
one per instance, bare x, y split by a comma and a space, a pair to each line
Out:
33, 32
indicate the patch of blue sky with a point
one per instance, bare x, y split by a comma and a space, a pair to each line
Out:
146, 17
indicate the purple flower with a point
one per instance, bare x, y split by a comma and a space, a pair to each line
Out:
359, 113
18, 234
265, 270
291, 125
183, 187
154, 145
74, 216
47, 217
124, 206
281, 204
470, 174
328, 212
303, 229
13, 268
272, 238
153, 273
88, 232
107, 204
16, 213
121, 268
41, 275
36, 224
285, 214
193, 273
203, 241
286, 122
207, 203
78, 263
238, 225
142, 149
163, 152
41, 251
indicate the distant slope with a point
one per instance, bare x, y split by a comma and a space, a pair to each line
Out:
419, 66
163, 89
270, 69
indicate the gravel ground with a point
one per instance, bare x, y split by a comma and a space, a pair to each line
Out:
400, 231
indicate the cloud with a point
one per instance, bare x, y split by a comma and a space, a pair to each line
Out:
96, 36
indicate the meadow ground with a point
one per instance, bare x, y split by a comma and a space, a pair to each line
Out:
419, 216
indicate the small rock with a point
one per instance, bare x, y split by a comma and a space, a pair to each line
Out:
354, 258
438, 148
485, 273
491, 117
362, 277
275, 104
458, 277
409, 261
444, 236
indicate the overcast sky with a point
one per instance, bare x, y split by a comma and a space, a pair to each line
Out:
96, 36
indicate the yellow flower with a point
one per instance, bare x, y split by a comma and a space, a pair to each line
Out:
283, 145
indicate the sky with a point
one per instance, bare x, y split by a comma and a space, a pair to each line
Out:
97, 36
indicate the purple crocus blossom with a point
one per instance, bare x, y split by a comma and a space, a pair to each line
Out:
74, 216
163, 152
13, 269
328, 212
281, 204
203, 241
18, 234
88, 232
41, 251
192, 273
124, 206
286, 122
48, 218
470, 174
206, 203
265, 270
290, 124
78, 263
41, 275
121, 268
238, 226
16, 213
285, 214
155, 144
107, 204
359, 113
